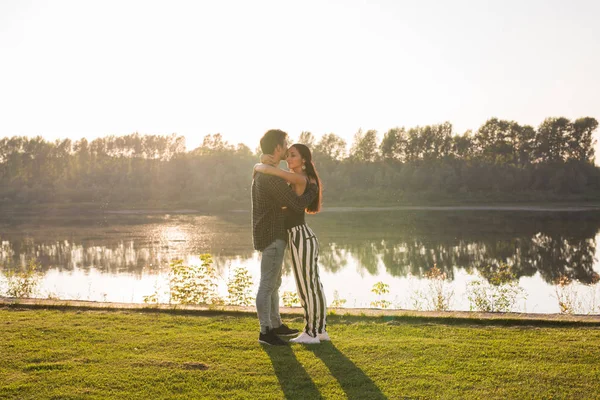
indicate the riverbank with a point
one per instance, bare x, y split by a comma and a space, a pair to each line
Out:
94, 209
80, 352
465, 316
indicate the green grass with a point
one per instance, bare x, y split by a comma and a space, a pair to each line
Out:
87, 354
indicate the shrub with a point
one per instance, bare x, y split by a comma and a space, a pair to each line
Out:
498, 293
380, 289
239, 288
193, 284
23, 283
440, 293
290, 299
337, 302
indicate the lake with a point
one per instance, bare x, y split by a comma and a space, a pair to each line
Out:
123, 257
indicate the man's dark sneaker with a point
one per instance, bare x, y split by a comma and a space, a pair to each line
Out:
284, 330
271, 338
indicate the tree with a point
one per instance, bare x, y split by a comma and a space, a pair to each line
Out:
414, 148
495, 141
331, 146
525, 146
430, 142
442, 140
552, 140
176, 145
462, 146
394, 144
243, 150
82, 157
214, 144
308, 139
580, 143
364, 147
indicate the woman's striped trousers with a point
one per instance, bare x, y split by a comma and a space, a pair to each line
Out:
304, 249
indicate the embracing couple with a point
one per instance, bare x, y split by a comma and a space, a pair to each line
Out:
279, 202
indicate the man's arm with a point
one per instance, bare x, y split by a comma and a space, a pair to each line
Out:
290, 177
285, 196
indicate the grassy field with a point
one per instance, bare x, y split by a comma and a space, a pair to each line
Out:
99, 354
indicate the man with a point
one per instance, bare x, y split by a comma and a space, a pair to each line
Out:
269, 195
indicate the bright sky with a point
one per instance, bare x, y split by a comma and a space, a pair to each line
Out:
93, 68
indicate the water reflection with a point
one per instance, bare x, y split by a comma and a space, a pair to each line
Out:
390, 244
548, 255
404, 243
122, 244
411, 244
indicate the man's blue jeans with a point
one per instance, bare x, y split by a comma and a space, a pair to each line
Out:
267, 298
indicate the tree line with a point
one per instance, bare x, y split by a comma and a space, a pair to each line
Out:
502, 160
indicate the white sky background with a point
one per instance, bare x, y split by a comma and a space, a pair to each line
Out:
82, 68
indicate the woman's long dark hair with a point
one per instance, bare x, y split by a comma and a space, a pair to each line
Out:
315, 206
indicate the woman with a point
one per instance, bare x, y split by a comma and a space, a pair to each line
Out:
302, 242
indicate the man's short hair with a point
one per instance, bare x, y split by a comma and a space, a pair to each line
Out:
271, 139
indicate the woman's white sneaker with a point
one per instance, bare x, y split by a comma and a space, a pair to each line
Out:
324, 337
305, 338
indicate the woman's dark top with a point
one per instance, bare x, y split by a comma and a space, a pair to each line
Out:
295, 218
269, 195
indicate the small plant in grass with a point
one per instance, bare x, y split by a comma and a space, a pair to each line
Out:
380, 289
572, 300
337, 302
417, 296
496, 291
155, 296
290, 299
151, 299
239, 287
440, 292
565, 294
417, 300
24, 282
193, 284
52, 296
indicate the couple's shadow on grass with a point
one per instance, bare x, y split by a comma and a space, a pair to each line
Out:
296, 383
